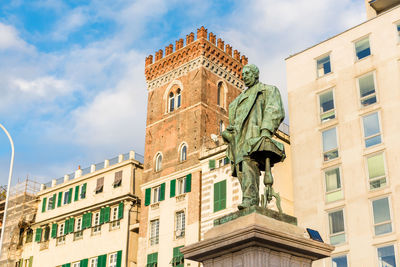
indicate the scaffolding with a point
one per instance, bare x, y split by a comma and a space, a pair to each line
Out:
22, 206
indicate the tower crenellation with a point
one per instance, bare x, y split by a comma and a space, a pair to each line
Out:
212, 48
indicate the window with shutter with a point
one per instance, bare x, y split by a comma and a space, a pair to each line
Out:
162, 196
106, 214
117, 179
211, 164
220, 196
76, 197
120, 210
70, 195
44, 204
38, 235
147, 196
100, 185
172, 188
59, 199
83, 191
54, 230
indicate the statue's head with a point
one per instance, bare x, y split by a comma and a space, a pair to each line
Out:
250, 75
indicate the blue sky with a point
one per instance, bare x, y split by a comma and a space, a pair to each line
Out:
72, 87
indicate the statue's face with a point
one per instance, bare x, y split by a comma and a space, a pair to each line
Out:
249, 77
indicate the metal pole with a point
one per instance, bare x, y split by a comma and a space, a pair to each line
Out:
8, 187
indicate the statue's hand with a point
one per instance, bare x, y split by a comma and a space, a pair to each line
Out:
227, 135
266, 133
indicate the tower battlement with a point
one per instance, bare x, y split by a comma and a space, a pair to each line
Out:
212, 48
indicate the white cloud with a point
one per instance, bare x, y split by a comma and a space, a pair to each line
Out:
9, 39
44, 87
71, 22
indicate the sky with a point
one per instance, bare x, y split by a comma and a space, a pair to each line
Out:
72, 86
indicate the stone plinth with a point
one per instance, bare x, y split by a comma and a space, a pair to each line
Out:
255, 240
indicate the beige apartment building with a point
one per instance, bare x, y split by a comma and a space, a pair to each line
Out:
344, 96
89, 218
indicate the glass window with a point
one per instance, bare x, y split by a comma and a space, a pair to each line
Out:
330, 144
180, 224
339, 261
386, 256
79, 224
323, 65
221, 127
114, 214
362, 48
171, 102
376, 171
220, 97
178, 98
372, 132
382, 221
66, 196
93, 262
156, 194
336, 227
50, 204
154, 231
326, 106
333, 185
181, 185
112, 260
61, 229
158, 162
366, 84
76, 264
183, 154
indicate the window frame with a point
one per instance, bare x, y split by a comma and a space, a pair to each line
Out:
355, 47
384, 222
50, 203
340, 256
93, 262
171, 102
158, 162
182, 147
154, 240
153, 194
180, 222
65, 197
320, 112
96, 227
328, 54
375, 94
178, 96
374, 135
384, 246
340, 189
329, 212
334, 150
369, 180
113, 255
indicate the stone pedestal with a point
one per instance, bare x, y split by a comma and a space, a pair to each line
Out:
255, 240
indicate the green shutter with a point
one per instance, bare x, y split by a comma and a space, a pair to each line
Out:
119, 258
83, 191
102, 260
70, 196
223, 194
188, 183
162, 197
220, 196
120, 210
147, 196
84, 263
101, 215
30, 261
44, 204
38, 236
66, 227
67, 265
71, 225
54, 230
59, 199
89, 222
152, 259
53, 205
211, 164
76, 198
216, 197
84, 221
106, 214
172, 188
21, 262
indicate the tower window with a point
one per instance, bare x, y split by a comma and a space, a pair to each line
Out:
183, 153
171, 102
221, 127
178, 98
220, 97
158, 162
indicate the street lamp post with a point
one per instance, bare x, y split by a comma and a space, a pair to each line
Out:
8, 187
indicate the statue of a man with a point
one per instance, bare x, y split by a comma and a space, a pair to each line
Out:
254, 117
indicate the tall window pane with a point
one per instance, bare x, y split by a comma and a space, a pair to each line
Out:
362, 48
326, 106
330, 144
376, 171
339, 261
367, 89
323, 65
171, 102
371, 130
386, 256
382, 221
336, 227
154, 232
333, 185
178, 98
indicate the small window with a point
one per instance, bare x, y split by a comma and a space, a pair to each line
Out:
154, 232
362, 48
171, 102
382, 220
96, 222
339, 261
336, 227
178, 98
83, 191
372, 132
180, 224
156, 191
333, 185
376, 171
78, 226
221, 127
183, 153
323, 65
99, 185
220, 97
93, 262
330, 147
66, 197
76, 264
117, 179
386, 256
220, 196
29, 235
46, 233
51, 203
158, 162
366, 84
112, 260
326, 106
61, 229
115, 222
181, 185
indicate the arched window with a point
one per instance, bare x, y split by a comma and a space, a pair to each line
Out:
220, 97
183, 153
158, 162
221, 127
178, 98
171, 102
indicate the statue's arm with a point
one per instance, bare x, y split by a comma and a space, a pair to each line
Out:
273, 113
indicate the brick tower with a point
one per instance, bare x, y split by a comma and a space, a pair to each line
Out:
189, 90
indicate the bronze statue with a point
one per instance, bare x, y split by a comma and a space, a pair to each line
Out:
254, 117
